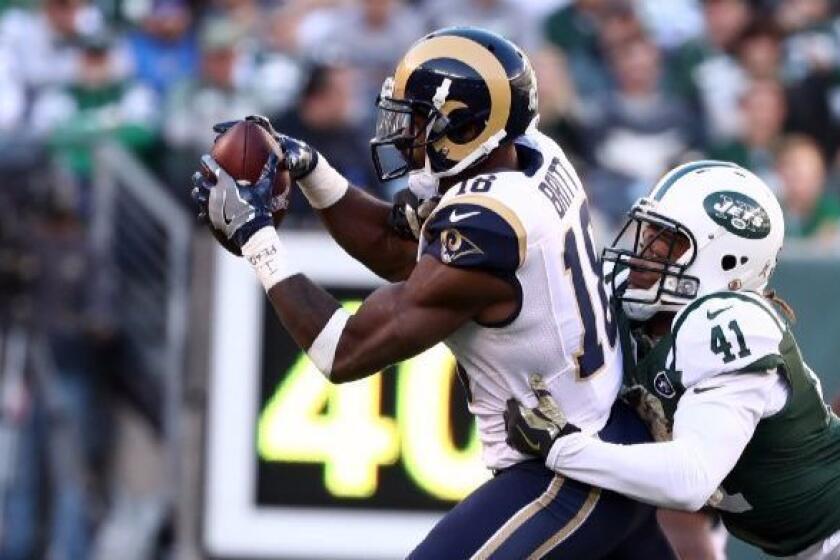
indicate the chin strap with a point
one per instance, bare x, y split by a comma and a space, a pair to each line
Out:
639, 311
424, 182
532, 126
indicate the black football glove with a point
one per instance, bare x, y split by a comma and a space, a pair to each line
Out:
298, 156
533, 431
408, 213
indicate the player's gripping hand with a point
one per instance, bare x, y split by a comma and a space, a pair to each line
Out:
299, 158
533, 431
236, 209
409, 212
319, 182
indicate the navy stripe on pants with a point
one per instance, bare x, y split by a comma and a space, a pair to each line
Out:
528, 511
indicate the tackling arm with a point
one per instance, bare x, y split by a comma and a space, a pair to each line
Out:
711, 430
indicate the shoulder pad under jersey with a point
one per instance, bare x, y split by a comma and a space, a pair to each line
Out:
725, 332
476, 231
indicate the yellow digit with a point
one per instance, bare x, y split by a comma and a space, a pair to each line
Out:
429, 454
308, 420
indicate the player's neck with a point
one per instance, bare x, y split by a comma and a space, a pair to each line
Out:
660, 324
503, 158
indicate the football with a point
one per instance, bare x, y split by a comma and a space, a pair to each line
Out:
242, 151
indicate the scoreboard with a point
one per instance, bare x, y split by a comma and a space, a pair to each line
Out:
402, 439
300, 468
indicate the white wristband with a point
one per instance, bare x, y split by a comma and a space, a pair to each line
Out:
322, 351
268, 257
323, 186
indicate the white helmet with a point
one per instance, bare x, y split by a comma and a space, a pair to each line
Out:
732, 221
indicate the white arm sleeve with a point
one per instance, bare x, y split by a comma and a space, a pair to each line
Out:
711, 430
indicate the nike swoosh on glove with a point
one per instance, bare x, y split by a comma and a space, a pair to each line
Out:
237, 209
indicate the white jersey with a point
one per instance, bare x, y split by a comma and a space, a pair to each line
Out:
532, 228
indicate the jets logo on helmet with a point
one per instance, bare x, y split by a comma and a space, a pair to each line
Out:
727, 217
738, 213
457, 94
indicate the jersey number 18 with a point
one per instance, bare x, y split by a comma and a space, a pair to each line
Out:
590, 357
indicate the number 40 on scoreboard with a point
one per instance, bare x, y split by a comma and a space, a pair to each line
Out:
307, 420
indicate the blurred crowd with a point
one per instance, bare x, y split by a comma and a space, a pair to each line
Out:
642, 86
629, 88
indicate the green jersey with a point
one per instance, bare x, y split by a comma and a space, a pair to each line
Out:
783, 493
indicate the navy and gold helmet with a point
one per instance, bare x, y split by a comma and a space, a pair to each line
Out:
459, 93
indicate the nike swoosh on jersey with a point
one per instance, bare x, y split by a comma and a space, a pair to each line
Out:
712, 314
531, 444
455, 217
704, 389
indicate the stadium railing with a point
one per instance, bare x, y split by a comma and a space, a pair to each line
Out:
145, 238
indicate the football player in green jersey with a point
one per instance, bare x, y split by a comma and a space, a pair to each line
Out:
739, 418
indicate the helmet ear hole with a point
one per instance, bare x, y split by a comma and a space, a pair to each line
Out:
728, 262
744, 260
464, 127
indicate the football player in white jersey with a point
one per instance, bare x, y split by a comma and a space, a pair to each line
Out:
505, 273
739, 417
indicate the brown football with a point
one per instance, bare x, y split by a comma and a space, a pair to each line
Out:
242, 151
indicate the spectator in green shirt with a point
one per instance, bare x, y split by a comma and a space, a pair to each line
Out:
761, 115
575, 30
98, 104
703, 71
810, 210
